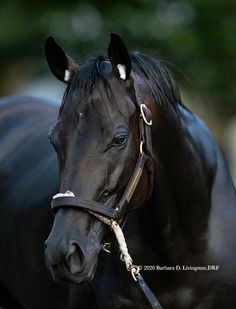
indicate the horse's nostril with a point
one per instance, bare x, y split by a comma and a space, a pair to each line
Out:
75, 258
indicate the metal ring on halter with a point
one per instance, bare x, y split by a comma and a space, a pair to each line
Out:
141, 147
142, 107
106, 246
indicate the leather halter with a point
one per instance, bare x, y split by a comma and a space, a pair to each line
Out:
119, 211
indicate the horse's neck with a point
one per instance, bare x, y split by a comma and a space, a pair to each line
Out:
183, 177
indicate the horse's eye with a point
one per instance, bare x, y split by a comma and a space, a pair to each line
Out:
120, 139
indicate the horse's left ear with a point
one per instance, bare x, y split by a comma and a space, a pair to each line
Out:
119, 57
60, 64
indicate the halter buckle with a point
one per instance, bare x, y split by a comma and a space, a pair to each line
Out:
142, 108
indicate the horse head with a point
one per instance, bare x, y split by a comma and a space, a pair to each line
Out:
97, 138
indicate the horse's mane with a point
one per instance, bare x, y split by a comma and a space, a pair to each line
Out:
157, 78
153, 72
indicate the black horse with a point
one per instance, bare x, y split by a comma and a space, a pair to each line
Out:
187, 222
28, 173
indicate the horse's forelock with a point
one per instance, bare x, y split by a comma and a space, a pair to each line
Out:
94, 75
95, 72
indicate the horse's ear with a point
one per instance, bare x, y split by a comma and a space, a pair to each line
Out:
61, 65
119, 57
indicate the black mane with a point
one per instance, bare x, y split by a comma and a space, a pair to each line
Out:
157, 78
152, 71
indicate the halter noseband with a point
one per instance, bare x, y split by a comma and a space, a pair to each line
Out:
118, 211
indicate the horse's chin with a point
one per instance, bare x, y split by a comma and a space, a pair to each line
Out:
83, 277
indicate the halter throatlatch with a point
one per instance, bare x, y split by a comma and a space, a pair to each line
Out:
111, 216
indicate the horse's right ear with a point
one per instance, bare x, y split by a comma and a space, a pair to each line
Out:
61, 65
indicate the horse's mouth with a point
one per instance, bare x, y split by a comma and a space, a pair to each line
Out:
63, 274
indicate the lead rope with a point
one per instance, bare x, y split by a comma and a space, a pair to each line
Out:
126, 258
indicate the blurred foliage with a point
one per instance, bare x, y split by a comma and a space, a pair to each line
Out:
197, 36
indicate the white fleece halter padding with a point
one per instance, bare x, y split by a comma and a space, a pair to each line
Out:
122, 71
67, 193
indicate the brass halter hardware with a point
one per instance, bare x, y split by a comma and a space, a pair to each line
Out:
141, 147
142, 108
106, 247
134, 271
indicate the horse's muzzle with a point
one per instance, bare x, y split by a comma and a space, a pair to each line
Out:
69, 263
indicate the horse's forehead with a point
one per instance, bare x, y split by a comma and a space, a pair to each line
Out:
113, 98
108, 103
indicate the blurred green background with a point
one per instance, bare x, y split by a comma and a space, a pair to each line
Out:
196, 38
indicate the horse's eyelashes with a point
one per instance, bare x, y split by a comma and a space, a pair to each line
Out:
120, 139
